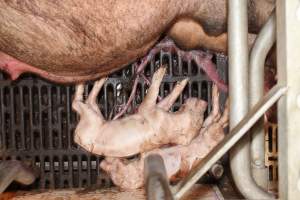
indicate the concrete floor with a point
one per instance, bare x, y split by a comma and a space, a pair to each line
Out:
203, 192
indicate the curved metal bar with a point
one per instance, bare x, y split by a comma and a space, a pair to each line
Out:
263, 43
238, 89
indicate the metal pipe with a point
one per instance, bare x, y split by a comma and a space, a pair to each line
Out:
262, 45
156, 180
230, 139
238, 89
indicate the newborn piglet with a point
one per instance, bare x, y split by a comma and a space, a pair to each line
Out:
179, 160
151, 127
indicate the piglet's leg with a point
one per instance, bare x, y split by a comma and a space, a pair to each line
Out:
169, 100
90, 105
215, 113
225, 117
151, 97
91, 100
152, 94
78, 99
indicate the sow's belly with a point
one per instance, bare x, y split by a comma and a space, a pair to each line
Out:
68, 71
73, 40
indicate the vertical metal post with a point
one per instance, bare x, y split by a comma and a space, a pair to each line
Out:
238, 89
262, 45
288, 62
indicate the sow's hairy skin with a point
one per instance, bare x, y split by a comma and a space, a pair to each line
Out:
179, 160
73, 40
151, 127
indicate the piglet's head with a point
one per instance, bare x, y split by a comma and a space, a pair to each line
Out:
194, 105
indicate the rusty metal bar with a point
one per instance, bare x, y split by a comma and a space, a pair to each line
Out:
288, 65
157, 183
231, 139
262, 45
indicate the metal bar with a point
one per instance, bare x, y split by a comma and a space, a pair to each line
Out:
263, 43
288, 59
157, 183
238, 88
230, 139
